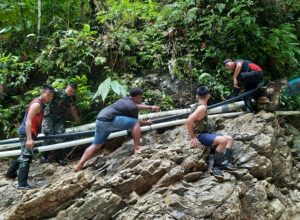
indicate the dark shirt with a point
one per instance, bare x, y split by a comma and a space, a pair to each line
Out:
59, 105
248, 66
122, 107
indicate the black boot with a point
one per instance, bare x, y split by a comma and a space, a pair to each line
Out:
248, 104
44, 158
234, 93
12, 170
23, 177
216, 169
227, 157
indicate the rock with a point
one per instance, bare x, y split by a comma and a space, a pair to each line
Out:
175, 175
101, 205
133, 198
254, 203
40, 204
192, 177
276, 208
170, 180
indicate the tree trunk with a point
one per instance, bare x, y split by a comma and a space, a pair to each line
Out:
39, 19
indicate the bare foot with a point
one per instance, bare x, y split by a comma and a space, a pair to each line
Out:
77, 167
139, 149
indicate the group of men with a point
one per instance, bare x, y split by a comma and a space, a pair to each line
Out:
123, 115
48, 118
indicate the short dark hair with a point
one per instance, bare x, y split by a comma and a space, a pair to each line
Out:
135, 92
227, 61
73, 85
202, 91
47, 87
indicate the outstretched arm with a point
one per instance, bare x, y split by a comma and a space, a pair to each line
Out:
197, 115
236, 73
148, 107
34, 109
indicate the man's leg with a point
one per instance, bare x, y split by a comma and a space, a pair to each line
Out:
125, 123
99, 139
136, 134
220, 142
90, 152
47, 129
250, 80
24, 161
227, 157
59, 155
12, 170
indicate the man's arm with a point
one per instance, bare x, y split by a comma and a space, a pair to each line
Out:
74, 113
195, 116
236, 73
34, 109
148, 107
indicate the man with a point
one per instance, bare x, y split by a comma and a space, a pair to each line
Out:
121, 115
246, 74
28, 131
197, 126
53, 122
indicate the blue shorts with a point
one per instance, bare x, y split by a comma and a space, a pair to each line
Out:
104, 128
207, 139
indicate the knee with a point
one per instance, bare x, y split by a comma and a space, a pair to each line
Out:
96, 147
229, 138
223, 140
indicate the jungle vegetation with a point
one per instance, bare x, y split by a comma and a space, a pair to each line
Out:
103, 45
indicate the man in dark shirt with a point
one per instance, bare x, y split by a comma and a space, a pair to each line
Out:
121, 115
246, 74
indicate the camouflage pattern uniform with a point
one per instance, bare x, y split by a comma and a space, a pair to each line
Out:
53, 121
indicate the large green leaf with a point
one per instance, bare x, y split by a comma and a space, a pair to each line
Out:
118, 88
103, 89
115, 85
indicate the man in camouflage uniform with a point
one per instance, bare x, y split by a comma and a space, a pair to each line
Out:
53, 121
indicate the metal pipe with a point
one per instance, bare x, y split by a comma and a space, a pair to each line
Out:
112, 135
182, 114
9, 143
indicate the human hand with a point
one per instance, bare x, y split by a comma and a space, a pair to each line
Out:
29, 144
194, 142
155, 108
148, 122
235, 83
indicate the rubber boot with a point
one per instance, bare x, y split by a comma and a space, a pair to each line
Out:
248, 104
12, 170
234, 93
227, 158
23, 177
216, 169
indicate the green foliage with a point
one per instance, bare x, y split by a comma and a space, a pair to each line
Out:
92, 42
19, 19
13, 72
282, 44
290, 103
127, 13
70, 54
108, 85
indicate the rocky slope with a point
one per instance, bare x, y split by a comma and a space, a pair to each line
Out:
170, 180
